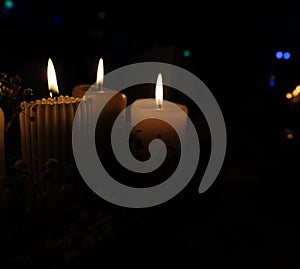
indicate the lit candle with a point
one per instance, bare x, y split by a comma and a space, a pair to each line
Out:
2, 149
115, 103
145, 131
80, 90
46, 126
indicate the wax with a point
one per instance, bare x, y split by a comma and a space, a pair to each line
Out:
115, 103
80, 90
46, 131
150, 129
2, 146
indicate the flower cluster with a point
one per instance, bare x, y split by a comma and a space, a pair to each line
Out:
12, 93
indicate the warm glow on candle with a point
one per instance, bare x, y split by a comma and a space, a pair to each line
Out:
52, 81
100, 72
159, 91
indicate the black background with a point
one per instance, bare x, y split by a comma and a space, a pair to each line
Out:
249, 215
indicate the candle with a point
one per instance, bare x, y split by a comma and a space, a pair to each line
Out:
147, 126
115, 103
46, 126
2, 149
80, 90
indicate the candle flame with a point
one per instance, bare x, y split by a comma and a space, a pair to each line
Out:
100, 72
52, 81
159, 91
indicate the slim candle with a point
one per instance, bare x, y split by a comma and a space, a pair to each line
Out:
2, 146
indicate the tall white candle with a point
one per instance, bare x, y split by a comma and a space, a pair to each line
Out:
115, 102
24, 145
2, 146
28, 132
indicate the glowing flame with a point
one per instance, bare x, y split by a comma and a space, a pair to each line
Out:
100, 72
52, 82
159, 91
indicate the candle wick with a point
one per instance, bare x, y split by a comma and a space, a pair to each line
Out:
159, 106
53, 94
100, 88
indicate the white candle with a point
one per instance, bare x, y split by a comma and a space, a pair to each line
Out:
24, 145
49, 135
97, 89
115, 102
46, 127
80, 90
2, 148
147, 130
28, 132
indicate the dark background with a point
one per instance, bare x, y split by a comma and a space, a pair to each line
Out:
250, 214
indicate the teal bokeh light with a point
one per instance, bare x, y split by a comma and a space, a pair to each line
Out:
8, 4
186, 53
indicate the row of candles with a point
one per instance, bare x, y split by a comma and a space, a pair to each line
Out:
46, 124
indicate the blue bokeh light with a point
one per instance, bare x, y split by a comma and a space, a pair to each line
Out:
279, 54
57, 20
272, 83
286, 55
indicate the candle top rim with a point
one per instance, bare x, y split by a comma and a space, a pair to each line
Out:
150, 103
85, 88
51, 101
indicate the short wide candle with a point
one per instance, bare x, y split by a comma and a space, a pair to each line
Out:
158, 119
152, 128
